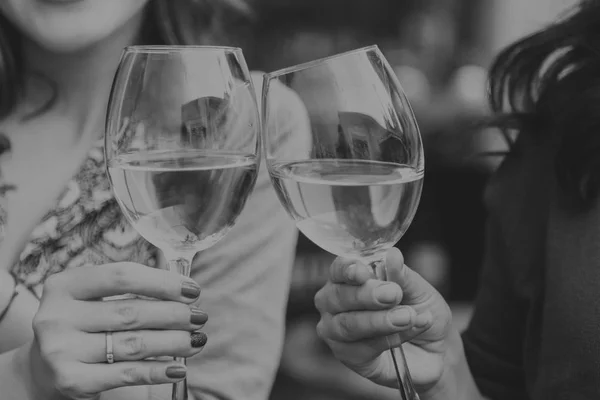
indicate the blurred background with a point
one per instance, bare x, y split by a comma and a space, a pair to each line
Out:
440, 51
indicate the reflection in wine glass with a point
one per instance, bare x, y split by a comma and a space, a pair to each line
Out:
182, 147
355, 192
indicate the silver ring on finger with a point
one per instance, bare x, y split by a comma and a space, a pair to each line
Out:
110, 357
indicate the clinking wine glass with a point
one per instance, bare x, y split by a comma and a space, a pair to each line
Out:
355, 192
182, 147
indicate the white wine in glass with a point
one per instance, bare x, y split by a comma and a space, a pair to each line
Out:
356, 191
182, 147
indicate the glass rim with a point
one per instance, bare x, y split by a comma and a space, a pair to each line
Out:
174, 48
311, 64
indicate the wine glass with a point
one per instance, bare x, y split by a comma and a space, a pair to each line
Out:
355, 192
182, 147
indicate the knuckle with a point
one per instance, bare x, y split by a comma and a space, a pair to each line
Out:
380, 322
346, 325
164, 279
55, 282
171, 284
67, 382
134, 376
356, 295
339, 296
134, 346
119, 276
46, 331
155, 375
321, 330
320, 299
128, 315
51, 350
43, 323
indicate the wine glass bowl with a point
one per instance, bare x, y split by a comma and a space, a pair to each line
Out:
182, 147
369, 205
182, 143
356, 190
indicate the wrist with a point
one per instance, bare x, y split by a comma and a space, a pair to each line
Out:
456, 381
33, 371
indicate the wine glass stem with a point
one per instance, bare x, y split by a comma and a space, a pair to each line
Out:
181, 264
405, 384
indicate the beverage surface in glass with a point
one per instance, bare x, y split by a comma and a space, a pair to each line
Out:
356, 191
182, 147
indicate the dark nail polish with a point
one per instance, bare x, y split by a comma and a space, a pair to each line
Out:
176, 372
198, 317
190, 289
198, 339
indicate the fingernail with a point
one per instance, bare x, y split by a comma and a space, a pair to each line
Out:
176, 372
190, 289
198, 339
400, 317
198, 316
387, 294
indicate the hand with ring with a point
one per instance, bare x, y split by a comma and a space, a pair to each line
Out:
84, 346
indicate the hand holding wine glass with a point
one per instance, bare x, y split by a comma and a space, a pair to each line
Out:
359, 314
356, 191
69, 353
182, 147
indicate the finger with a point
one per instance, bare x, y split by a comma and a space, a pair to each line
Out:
93, 282
372, 295
139, 345
414, 287
360, 325
87, 380
422, 322
354, 353
126, 315
347, 271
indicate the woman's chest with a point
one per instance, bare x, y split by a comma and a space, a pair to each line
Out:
39, 166
62, 213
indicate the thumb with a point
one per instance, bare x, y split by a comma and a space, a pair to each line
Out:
415, 288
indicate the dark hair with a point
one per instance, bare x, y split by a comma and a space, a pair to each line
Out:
167, 22
548, 85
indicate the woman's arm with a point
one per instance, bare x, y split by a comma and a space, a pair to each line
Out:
245, 281
457, 380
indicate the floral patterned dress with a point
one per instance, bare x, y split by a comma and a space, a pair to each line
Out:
85, 227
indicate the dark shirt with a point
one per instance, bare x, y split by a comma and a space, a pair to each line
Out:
535, 333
